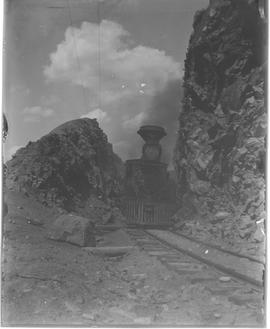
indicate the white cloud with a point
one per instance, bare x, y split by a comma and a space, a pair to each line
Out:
119, 77
39, 111
35, 113
96, 114
107, 60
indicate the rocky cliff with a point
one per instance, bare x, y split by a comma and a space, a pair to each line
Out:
69, 168
220, 151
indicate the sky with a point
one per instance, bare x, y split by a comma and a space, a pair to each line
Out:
120, 61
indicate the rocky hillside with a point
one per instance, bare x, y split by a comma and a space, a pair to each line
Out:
69, 167
220, 152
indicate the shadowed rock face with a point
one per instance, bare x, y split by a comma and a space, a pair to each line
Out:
220, 151
71, 164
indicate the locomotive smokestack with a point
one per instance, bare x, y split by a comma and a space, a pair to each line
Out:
151, 135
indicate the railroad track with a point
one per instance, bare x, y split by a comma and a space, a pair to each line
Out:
234, 253
219, 280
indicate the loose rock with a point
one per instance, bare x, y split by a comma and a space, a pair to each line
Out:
225, 278
73, 229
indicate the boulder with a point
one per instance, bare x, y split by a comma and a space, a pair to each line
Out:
73, 229
72, 167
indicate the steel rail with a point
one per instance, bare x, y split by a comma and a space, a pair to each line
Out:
221, 268
234, 253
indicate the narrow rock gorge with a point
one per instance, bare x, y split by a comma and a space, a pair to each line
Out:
73, 167
220, 151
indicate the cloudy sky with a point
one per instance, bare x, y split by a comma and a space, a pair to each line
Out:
120, 61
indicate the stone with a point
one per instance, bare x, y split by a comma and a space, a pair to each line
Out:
204, 159
255, 142
165, 308
200, 187
89, 316
242, 150
221, 215
244, 234
259, 234
236, 179
79, 299
143, 320
34, 221
121, 314
73, 229
246, 221
217, 315
212, 12
139, 276
225, 278
71, 307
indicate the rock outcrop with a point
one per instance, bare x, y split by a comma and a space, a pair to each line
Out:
220, 151
73, 167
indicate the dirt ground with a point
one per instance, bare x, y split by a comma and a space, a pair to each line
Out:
45, 282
